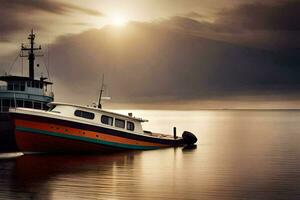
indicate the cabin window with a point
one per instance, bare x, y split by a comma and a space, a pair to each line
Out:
37, 105
5, 105
119, 123
12, 103
22, 86
106, 120
34, 84
130, 126
5, 102
20, 103
27, 104
10, 86
84, 114
45, 106
17, 86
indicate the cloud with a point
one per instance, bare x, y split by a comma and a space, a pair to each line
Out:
193, 15
45, 5
263, 16
182, 59
148, 62
269, 25
187, 24
17, 15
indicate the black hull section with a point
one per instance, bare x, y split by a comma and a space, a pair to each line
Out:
7, 136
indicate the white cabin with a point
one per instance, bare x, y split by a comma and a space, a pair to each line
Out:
92, 116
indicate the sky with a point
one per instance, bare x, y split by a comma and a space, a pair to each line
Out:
172, 54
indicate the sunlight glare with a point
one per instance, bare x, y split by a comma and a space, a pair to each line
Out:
118, 20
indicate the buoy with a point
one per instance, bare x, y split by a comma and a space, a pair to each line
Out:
189, 138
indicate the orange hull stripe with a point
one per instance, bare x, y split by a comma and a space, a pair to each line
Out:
83, 133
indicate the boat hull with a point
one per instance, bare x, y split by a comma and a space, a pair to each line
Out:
7, 136
44, 134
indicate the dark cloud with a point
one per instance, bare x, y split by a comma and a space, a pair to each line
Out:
45, 5
148, 62
269, 25
17, 15
183, 58
263, 16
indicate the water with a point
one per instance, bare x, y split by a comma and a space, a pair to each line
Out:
240, 155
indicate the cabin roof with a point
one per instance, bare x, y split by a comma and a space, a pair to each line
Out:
97, 110
21, 78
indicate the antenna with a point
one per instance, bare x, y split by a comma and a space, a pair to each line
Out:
31, 55
101, 92
48, 64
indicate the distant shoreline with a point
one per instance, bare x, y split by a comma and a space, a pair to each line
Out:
213, 109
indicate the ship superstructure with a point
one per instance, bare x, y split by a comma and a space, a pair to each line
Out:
22, 91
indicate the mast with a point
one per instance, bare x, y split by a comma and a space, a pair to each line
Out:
31, 55
101, 92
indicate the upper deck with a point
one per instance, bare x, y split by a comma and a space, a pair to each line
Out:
28, 92
24, 85
16, 91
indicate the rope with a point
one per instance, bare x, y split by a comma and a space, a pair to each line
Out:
11, 66
48, 73
22, 66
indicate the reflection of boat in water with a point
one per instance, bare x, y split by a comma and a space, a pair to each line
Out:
39, 176
73, 128
22, 91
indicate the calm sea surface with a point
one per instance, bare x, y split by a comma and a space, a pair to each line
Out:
240, 155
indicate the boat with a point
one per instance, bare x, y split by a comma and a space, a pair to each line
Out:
22, 91
69, 128
76, 128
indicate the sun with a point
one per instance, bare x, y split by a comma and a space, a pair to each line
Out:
118, 20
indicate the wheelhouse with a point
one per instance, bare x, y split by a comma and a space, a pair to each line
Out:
18, 91
26, 92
